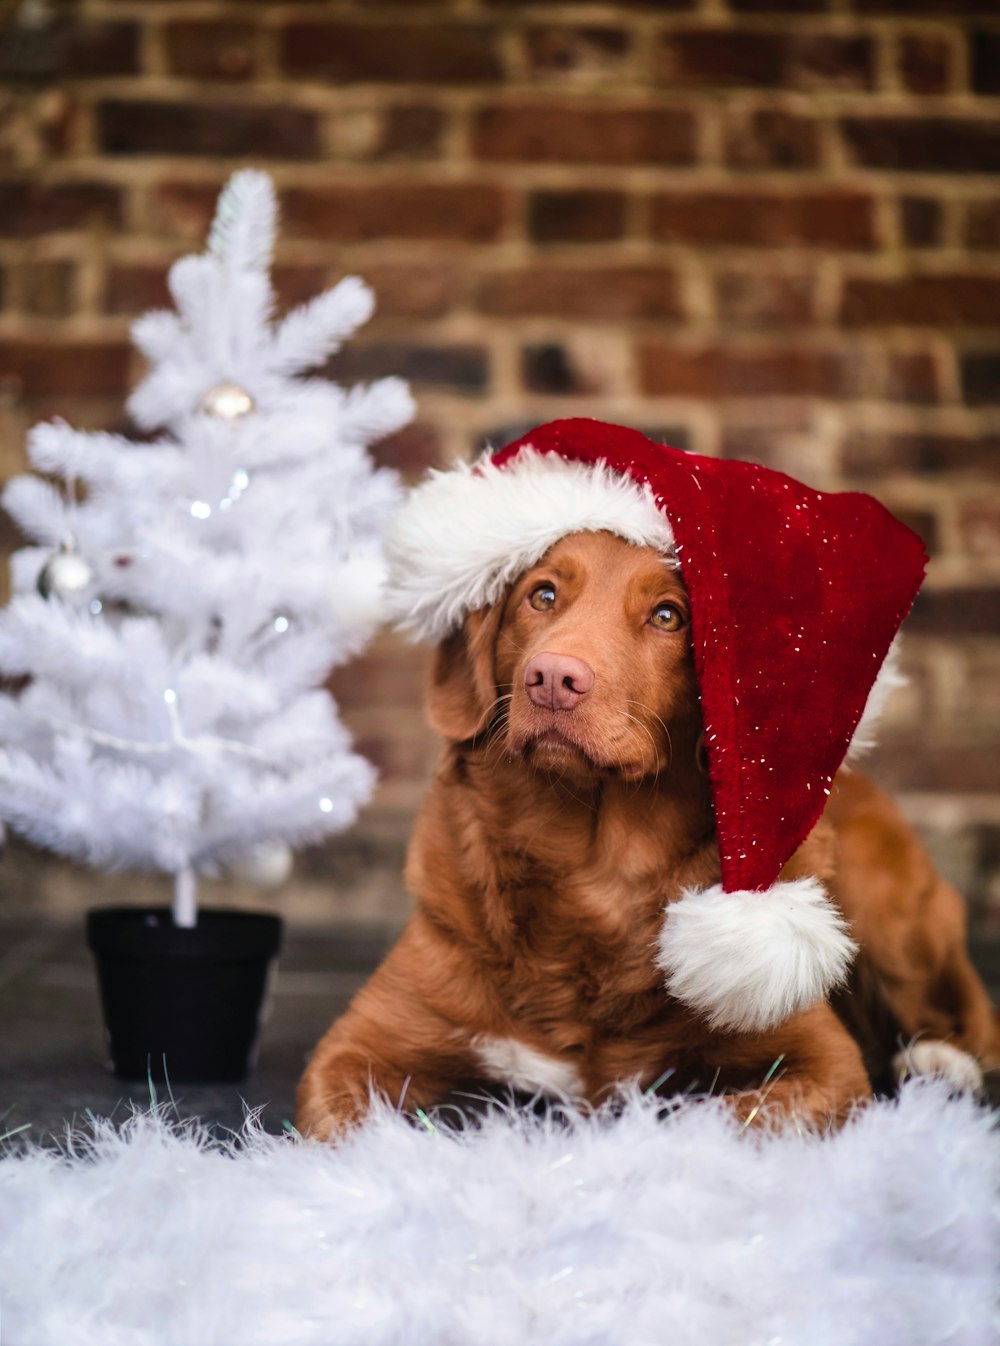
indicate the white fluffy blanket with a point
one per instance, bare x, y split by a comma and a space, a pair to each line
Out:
632, 1231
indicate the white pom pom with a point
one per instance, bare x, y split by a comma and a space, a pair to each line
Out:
357, 592
747, 961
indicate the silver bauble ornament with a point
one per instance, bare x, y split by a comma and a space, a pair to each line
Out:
266, 865
227, 401
66, 575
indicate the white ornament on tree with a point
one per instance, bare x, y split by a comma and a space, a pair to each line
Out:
66, 575
266, 865
178, 716
227, 401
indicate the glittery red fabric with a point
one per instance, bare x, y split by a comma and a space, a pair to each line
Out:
796, 595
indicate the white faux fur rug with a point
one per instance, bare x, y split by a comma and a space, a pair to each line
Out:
609, 1232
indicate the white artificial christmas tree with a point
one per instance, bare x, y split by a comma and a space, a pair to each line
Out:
185, 598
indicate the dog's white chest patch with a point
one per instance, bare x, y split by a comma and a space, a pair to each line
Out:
511, 1062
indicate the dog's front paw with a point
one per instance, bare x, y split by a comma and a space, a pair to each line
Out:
931, 1057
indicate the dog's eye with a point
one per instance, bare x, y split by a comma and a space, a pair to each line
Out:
666, 617
543, 597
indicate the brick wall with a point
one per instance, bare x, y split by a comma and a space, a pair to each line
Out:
765, 228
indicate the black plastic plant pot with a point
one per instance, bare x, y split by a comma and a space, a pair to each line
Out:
182, 1004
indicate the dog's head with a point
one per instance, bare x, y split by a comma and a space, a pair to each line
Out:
583, 668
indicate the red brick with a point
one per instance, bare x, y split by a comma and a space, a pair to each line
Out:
924, 144
594, 134
925, 63
982, 224
206, 50
731, 57
912, 9
723, 371
380, 677
185, 209
580, 216
438, 53
913, 376
980, 375
578, 365
984, 56
395, 756
553, 368
410, 451
774, 434
980, 525
974, 611
410, 131
565, 369
871, 454
829, 219
748, 296
951, 767
297, 284
587, 292
972, 710
557, 49
47, 288
455, 210
64, 48
497, 436
62, 121
64, 368
772, 138
924, 523
15, 127
987, 849
779, 6
223, 130
666, 6
133, 287
920, 221
461, 367
28, 208
100, 49
957, 299
415, 289
200, 4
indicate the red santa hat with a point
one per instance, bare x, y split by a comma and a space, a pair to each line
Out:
796, 597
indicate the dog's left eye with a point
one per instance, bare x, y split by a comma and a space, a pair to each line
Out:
543, 597
666, 617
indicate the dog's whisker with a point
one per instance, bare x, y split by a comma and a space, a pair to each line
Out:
497, 718
652, 741
661, 722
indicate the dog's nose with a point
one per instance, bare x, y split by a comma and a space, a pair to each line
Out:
557, 681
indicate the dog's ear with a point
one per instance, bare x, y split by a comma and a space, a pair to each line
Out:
462, 689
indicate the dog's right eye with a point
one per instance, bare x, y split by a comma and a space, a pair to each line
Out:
543, 597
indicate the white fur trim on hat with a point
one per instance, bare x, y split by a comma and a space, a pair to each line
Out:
465, 534
888, 680
747, 961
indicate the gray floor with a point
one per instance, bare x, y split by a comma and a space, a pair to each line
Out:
52, 1064
52, 1059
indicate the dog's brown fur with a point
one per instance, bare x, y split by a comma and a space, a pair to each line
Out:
552, 839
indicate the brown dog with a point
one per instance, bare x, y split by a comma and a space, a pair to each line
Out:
571, 805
